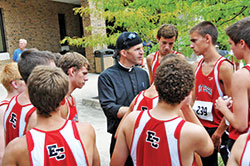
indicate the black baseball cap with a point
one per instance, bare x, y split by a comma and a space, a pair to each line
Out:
127, 40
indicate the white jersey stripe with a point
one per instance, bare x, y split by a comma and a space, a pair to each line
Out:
22, 123
216, 76
73, 143
155, 102
172, 141
39, 142
156, 59
144, 118
245, 158
139, 99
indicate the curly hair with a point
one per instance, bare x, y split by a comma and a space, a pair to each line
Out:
174, 79
47, 87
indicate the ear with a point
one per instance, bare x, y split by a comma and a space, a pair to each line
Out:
71, 71
157, 38
14, 84
123, 53
242, 43
208, 38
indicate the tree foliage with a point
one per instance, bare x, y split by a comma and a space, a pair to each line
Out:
146, 16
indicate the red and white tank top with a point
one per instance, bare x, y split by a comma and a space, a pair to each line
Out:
207, 90
143, 102
58, 147
16, 118
72, 112
4, 102
233, 133
156, 142
245, 157
156, 63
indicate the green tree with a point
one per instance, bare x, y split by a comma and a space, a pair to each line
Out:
146, 16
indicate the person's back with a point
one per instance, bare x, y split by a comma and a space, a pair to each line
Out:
54, 140
159, 136
20, 116
145, 100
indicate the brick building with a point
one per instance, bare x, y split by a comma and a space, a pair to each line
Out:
43, 23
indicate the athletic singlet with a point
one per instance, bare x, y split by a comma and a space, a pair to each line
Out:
16, 118
156, 142
72, 112
143, 102
156, 63
233, 133
58, 147
207, 90
4, 102
245, 157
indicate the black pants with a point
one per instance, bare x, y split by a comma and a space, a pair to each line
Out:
224, 152
129, 161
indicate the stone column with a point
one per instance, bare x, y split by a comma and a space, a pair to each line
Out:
98, 27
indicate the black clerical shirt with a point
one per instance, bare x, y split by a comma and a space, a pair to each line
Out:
117, 86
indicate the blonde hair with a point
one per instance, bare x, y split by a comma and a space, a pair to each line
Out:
9, 73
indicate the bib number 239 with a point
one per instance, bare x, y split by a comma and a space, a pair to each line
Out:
203, 110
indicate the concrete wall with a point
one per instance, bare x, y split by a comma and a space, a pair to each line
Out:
37, 22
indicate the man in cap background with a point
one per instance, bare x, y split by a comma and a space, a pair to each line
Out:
119, 84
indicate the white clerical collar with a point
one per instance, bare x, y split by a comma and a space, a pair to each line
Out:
128, 68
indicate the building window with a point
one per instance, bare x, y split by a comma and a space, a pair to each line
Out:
62, 25
2, 36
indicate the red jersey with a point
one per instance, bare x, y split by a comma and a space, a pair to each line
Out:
233, 133
72, 112
245, 157
4, 102
156, 63
16, 118
143, 102
156, 142
58, 147
207, 90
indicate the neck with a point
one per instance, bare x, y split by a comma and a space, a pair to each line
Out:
23, 98
162, 55
125, 63
11, 94
247, 56
211, 54
164, 111
54, 122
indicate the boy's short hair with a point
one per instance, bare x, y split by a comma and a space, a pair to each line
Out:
240, 31
204, 28
30, 59
174, 80
72, 59
167, 31
9, 73
47, 87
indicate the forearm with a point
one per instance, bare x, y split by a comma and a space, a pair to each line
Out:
221, 128
122, 111
189, 115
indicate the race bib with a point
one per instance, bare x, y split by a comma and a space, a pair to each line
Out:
203, 110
